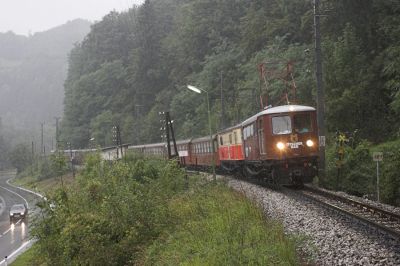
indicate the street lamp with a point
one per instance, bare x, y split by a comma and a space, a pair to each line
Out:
199, 90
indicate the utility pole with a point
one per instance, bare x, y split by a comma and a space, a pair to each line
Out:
166, 129
320, 90
222, 104
41, 142
32, 157
170, 127
117, 139
168, 138
57, 133
71, 159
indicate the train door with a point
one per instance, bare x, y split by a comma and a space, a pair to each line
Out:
249, 142
261, 136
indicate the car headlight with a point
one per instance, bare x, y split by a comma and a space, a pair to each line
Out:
310, 143
21, 213
280, 145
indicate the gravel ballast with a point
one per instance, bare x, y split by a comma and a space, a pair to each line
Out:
330, 239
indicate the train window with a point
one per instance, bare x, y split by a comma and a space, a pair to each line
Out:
220, 141
281, 125
244, 134
302, 123
230, 138
261, 140
235, 137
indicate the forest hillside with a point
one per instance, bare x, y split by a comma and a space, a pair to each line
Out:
134, 64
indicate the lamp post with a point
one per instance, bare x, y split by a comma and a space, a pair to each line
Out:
199, 90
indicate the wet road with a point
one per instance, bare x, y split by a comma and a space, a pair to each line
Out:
13, 236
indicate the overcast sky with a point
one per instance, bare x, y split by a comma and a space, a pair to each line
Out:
30, 16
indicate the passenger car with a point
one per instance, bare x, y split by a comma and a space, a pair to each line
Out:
17, 212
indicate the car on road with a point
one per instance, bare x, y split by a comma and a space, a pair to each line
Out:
18, 212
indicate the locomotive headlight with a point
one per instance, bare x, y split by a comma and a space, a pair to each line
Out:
310, 143
280, 145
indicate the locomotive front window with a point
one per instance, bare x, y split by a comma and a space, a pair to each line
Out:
302, 123
281, 125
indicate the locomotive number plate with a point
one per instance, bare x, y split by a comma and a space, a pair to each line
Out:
294, 145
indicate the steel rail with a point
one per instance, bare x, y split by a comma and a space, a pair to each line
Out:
383, 228
361, 205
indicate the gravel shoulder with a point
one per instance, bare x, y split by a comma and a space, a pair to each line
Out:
330, 239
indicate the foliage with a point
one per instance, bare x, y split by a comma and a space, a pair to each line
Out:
123, 212
113, 210
358, 172
44, 167
20, 157
137, 63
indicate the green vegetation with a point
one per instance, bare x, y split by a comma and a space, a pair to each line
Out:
216, 226
147, 212
37, 168
134, 64
358, 173
29, 257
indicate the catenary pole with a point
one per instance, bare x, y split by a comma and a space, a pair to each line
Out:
320, 90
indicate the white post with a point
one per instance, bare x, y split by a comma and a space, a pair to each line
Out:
377, 180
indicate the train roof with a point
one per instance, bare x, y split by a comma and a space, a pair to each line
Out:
202, 139
279, 110
150, 145
230, 128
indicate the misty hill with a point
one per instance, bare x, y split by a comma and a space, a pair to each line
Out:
32, 73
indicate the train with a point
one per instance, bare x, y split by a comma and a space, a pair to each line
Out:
278, 145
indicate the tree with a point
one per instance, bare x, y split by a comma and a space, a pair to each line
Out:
20, 157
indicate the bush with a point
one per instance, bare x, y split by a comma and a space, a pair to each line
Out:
110, 213
143, 212
358, 173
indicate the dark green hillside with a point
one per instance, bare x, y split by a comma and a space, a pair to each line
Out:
134, 64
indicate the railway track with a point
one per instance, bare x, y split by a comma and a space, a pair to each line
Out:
369, 215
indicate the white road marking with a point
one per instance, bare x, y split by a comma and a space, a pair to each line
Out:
26, 202
24, 189
2, 205
15, 252
26, 245
27, 205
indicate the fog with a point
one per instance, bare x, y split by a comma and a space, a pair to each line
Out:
28, 16
35, 40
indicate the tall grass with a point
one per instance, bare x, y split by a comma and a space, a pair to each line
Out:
218, 226
146, 212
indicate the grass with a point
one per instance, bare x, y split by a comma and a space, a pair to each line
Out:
208, 224
43, 186
27, 258
218, 226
